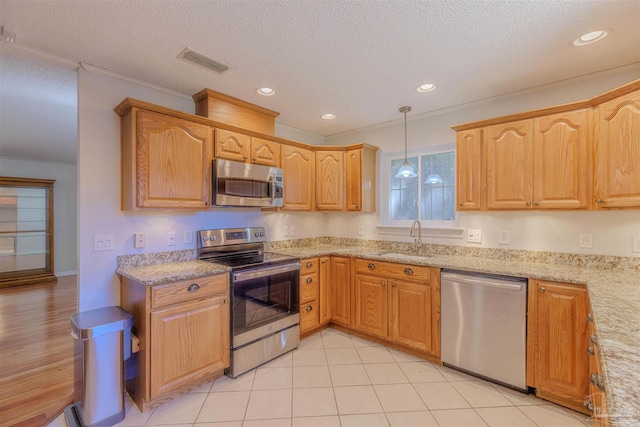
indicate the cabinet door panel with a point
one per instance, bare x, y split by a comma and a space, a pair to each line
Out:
371, 305
265, 152
298, 165
618, 152
410, 314
325, 290
189, 340
561, 358
330, 180
509, 152
340, 289
173, 158
469, 174
232, 145
353, 169
561, 161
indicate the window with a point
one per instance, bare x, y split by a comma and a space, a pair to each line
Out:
429, 197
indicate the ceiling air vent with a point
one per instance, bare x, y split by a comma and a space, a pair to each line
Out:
200, 60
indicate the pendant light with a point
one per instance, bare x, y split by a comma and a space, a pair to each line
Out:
406, 171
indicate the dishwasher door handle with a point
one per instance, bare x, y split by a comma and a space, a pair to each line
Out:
482, 281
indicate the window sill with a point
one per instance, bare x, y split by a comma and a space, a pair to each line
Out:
438, 232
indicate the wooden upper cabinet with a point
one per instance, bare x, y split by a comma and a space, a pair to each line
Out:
298, 165
562, 161
232, 145
330, 180
265, 152
166, 162
469, 173
509, 149
360, 174
618, 153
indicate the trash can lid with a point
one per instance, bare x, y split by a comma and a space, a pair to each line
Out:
101, 321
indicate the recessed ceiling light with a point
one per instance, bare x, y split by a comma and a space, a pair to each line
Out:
591, 37
265, 91
328, 116
427, 87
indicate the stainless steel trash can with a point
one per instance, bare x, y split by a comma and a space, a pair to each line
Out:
102, 342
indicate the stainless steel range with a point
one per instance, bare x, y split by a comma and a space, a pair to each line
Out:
265, 316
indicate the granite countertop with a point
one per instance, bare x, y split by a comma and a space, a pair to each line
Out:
156, 274
615, 302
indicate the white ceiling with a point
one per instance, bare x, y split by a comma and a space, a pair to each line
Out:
360, 60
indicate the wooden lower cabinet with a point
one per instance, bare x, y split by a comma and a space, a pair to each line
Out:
315, 307
558, 335
341, 291
183, 328
398, 303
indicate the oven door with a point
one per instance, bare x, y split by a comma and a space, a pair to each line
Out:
244, 184
264, 301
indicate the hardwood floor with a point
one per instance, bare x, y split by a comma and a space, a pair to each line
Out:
36, 352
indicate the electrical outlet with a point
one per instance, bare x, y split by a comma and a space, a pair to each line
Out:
171, 238
586, 240
293, 230
360, 230
504, 237
286, 231
635, 247
188, 237
104, 242
474, 236
139, 240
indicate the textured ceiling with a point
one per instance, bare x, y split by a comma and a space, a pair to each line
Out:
360, 60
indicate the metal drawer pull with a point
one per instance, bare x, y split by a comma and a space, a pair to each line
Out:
590, 350
393, 285
597, 381
309, 280
371, 266
309, 308
543, 290
194, 287
590, 317
593, 339
588, 404
309, 264
408, 271
383, 283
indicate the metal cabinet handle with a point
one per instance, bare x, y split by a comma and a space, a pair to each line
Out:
357, 206
536, 203
383, 283
543, 290
309, 308
590, 317
460, 204
225, 300
324, 261
593, 339
588, 404
597, 381
590, 350
309, 280
194, 287
393, 285
408, 271
598, 201
309, 264
371, 266
528, 203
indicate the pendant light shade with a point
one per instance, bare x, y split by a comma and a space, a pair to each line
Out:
406, 171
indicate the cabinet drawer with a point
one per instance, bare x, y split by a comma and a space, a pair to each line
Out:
188, 290
309, 289
309, 265
309, 316
388, 269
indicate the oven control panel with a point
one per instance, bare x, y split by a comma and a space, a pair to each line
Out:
230, 236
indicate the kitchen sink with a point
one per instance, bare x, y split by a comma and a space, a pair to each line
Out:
403, 256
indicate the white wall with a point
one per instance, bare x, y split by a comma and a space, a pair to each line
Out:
541, 231
64, 205
99, 192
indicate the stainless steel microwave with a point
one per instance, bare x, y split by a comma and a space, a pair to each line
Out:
246, 184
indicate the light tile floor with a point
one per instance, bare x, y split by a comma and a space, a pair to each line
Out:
337, 380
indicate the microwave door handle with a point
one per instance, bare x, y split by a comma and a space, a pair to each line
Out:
272, 189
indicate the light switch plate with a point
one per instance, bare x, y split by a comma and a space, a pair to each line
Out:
171, 238
586, 240
474, 236
104, 242
139, 240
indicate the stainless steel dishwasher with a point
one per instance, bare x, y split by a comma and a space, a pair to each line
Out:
484, 326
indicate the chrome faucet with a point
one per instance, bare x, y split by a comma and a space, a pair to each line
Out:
417, 241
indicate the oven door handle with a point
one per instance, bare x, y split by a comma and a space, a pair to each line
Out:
264, 272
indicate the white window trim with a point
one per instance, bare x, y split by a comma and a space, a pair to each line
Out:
434, 229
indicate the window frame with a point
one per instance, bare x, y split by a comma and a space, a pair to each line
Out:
444, 228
